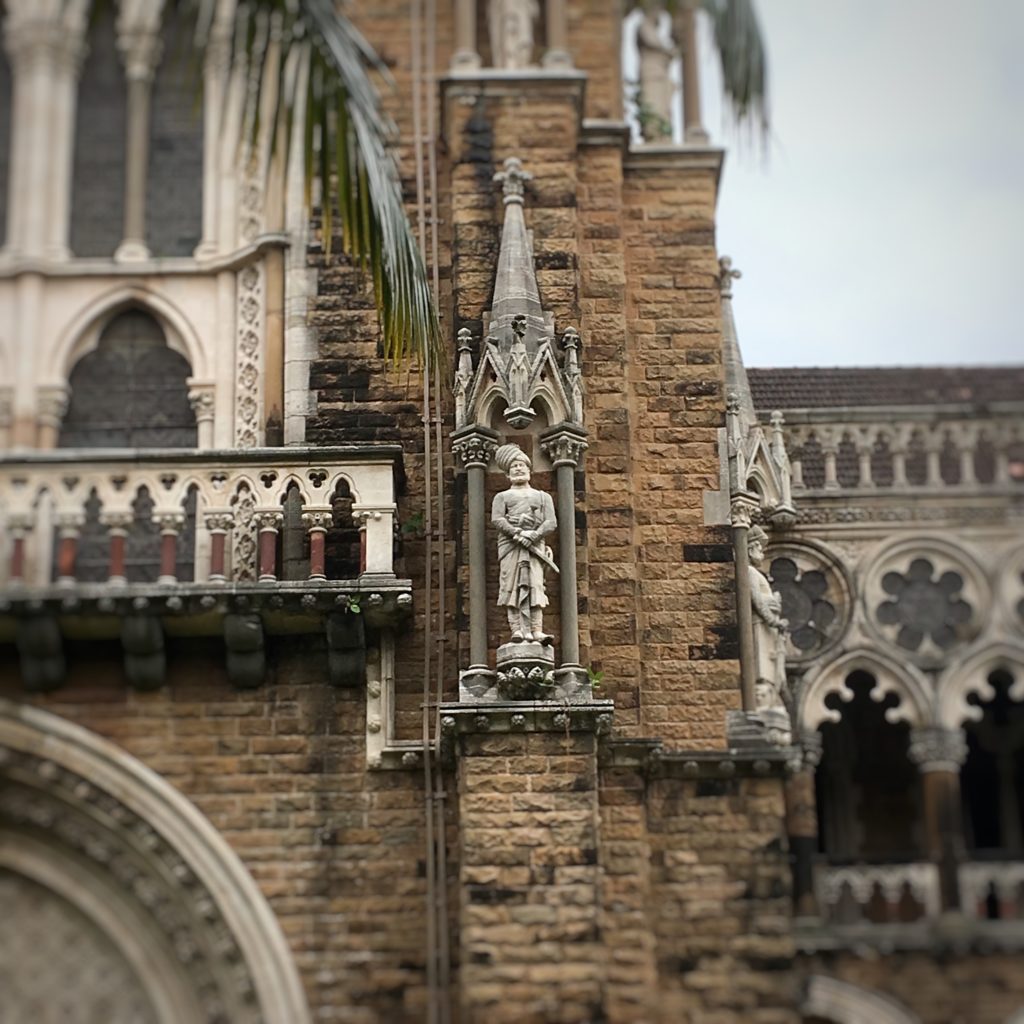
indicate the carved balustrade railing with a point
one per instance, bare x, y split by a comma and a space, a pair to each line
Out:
877, 893
114, 518
867, 453
993, 890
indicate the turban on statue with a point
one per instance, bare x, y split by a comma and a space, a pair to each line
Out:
509, 453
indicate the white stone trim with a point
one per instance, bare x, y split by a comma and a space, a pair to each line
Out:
843, 1003
971, 676
904, 680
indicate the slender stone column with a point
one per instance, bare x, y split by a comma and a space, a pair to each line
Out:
118, 523
557, 29
218, 522
864, 449
19, 527
45, 44
69, 526
938, 754
741, 512
474, 447
564, 445
203, 400
466, 57
830, 450
686, 35
933, 463
967, 441
802, 824
317, 520
268, 521
170, 524
140, 50
51, 405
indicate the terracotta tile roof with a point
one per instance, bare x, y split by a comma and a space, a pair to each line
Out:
821, 387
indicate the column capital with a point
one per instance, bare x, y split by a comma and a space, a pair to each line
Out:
934, 749
267, 519
564, 444
742, 508
202, 398
317, 517
52, 404
474, 446
70, 523
169, 521
219, 520
118, 521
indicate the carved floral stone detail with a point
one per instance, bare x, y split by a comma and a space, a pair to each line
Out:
922, 605
250, 329
805, 606
474, 449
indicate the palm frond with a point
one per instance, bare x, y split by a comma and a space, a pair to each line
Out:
743, 59
345, 140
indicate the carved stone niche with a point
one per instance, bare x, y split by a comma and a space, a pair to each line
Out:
924, 598
817, 597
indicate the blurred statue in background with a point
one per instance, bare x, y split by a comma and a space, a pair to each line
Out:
511, 29
657, 91
769, 630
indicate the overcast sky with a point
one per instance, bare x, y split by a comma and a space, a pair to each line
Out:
886, 226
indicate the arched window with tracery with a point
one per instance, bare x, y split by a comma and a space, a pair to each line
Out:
131, 391
992, 787
868, 792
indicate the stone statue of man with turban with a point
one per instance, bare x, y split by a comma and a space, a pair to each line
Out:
522, 516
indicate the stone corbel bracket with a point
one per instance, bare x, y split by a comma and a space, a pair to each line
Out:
523, 717
651, 759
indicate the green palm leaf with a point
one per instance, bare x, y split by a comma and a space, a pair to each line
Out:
304, 53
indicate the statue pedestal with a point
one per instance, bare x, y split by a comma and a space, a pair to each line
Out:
751, 731
525, 671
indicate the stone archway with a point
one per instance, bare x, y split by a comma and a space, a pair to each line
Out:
99, 842
839, 1002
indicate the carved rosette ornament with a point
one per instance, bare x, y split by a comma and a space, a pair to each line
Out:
926, 597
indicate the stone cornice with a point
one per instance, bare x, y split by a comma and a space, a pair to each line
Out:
676, 158
650, 757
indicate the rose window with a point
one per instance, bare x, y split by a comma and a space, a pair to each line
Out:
921, 605
804, 606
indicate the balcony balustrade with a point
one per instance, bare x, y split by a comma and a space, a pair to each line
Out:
877, 893
869, 455
993, 890
147, 543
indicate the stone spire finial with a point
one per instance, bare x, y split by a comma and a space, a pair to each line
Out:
515, 286
726, 276
513, 180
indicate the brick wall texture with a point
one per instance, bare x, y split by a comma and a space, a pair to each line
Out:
580, 890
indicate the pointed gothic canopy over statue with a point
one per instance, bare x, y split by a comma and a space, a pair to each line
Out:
518, 367
515, 286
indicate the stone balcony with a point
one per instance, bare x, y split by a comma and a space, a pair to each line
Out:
898, 906
152, 544
874, 451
